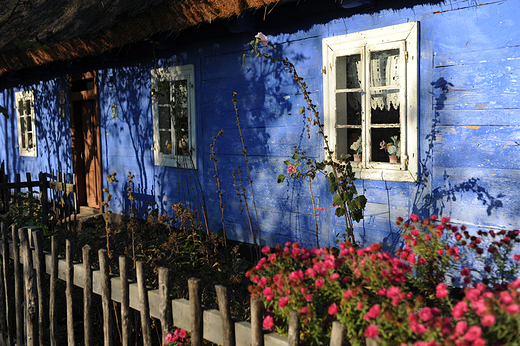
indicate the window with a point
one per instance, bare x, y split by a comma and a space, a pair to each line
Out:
26, 123
370, 100
173, 93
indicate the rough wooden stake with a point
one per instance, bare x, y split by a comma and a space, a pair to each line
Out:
9, 290
87, 296
145, 309
105, 297
257, 310
31, 295
165, 306
17, 287
52, 296
39, 265
125, 302
294, 328
228, 327
336, 337
69, 277
372, 342
196, 312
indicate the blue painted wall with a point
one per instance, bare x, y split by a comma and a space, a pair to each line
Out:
468, 127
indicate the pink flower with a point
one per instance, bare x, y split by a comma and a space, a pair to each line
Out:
268, 291
474, 332
414, 217
465, 271
262, 39
168, 338
371, 331
415, 232
334, 276
308, 297
487, 320
266, 249
517, 257
360, 305
320, 282
393, 292
283, 302
374, 311
513, 309
304, 310
445, 219
460, 327
411, 258
268, 322
333, 309
291, 169
182, 333
426, 314
460, 309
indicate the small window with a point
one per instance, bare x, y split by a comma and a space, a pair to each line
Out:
173, 95
370, 97
26, 123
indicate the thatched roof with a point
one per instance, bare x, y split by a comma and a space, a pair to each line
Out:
78, 28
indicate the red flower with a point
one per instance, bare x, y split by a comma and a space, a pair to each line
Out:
426, 314
333, 309
487, 320
371, 331
268, 322
414, 217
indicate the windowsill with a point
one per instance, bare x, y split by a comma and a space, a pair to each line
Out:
392, 173
177, 161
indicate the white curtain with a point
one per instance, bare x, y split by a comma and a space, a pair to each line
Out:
384, 71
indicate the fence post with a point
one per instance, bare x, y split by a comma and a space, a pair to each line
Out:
257, 310
39, 265
17, 286
372, 342
8, 287
105, 296
144, 306
196, 312
228, 327
294, 328
52, 296
43, 196
165, 307
87, 296
125, 302
31, 304
336, 337
69, 277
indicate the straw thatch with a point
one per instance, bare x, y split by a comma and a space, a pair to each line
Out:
78, 28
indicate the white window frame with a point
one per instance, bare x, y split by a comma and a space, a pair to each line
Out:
21, 114
172, 74
404, 36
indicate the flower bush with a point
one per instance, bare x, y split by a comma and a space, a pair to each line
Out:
178, 338
402, 300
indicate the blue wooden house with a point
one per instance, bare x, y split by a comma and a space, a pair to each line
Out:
95, 87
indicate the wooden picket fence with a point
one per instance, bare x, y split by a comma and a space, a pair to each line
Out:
23, 321
58, 189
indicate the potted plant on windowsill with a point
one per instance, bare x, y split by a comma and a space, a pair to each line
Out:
393, 148
358, 149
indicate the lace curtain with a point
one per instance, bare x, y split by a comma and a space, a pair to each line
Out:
384, 71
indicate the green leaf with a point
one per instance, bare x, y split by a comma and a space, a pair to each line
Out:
361, 201
320, 165
296, 156
331, 178
340, 212
281, 178
333, 188
302, 110
243, 60
336, 200
287, 162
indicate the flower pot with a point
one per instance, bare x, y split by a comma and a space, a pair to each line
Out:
357, 157
393, 158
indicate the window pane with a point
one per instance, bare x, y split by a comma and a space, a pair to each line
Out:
385, 107
163, 91
384, 67
348, 72
165, 138
164, 117
29, 123
30, 140
27, 107
182, 131
180, 93
345, 138
20, 107
348, 111
380, 135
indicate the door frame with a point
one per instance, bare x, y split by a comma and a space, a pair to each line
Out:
75, 82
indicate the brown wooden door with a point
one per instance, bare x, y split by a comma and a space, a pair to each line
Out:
85, 139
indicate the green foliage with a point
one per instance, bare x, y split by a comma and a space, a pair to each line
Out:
29, 213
